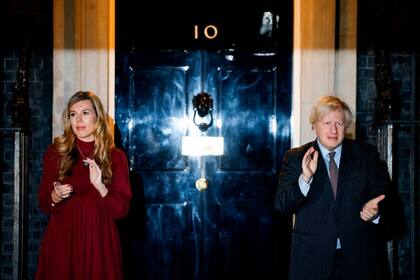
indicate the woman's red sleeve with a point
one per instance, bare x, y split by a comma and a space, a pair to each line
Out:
49, 176
119, 194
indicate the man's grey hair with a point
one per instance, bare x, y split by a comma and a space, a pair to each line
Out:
327, 104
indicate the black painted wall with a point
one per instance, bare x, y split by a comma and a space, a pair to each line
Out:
366, 130
24, 24
390, 27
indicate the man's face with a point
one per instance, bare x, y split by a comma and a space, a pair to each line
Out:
331, 129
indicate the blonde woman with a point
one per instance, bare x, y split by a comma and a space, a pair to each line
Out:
84, 188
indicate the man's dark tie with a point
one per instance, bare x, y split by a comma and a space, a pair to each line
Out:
333, 173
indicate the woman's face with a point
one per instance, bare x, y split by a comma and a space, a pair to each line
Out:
83, 119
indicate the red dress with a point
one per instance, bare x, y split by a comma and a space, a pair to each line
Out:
81, 240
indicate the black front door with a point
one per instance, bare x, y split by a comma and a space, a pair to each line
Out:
229, 229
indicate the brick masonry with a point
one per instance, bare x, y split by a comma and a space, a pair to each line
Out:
40, 96
402, 67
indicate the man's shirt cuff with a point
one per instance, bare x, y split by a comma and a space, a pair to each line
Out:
304, 187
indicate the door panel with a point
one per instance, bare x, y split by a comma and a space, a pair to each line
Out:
169, 245
242, 90
158, 103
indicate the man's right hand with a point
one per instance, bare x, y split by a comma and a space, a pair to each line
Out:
309, 164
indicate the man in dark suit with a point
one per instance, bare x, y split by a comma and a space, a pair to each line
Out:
337, 201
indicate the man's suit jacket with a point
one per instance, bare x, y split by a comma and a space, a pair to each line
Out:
320, 219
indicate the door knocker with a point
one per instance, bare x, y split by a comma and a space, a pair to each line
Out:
203, 106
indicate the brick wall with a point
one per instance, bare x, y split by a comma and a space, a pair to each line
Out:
40, 98
402, 67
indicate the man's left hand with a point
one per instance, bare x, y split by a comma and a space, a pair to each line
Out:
371, 210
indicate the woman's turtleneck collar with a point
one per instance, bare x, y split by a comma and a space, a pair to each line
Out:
85, 146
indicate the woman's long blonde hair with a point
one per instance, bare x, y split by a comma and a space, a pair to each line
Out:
104, 142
